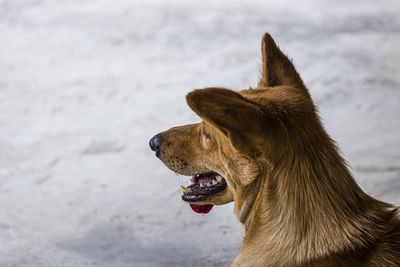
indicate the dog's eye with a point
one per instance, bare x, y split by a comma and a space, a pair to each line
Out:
206, 135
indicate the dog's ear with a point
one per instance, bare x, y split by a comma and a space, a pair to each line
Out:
233, 115
277, 69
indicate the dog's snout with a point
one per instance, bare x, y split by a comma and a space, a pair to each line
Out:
155, 143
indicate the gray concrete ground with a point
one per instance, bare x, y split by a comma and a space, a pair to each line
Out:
85, 84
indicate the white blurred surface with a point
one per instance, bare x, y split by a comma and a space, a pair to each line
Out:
85, 84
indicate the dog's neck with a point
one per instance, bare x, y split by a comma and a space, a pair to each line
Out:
245, 210
309, 209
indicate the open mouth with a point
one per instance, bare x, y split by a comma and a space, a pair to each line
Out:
203, 185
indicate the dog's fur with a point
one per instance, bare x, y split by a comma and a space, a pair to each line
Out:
292, 190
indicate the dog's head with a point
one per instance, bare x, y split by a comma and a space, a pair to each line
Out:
240, 136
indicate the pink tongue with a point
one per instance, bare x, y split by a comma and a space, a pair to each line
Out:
201, 208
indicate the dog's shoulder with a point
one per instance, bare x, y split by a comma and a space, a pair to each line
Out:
387, 250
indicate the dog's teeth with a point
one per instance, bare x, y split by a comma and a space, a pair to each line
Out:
185, 189
214, 182
219, 179
208, 184
201, 185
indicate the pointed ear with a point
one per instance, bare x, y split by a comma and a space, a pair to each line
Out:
230, 113
277, 69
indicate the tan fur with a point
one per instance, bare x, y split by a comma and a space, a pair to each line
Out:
292, 190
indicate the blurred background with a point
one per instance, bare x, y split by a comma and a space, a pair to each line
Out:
85, 84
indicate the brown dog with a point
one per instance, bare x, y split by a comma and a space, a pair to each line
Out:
266, 150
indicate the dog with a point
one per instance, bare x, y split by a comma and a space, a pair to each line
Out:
265, 149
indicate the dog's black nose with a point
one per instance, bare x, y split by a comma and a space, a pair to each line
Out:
155, 144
